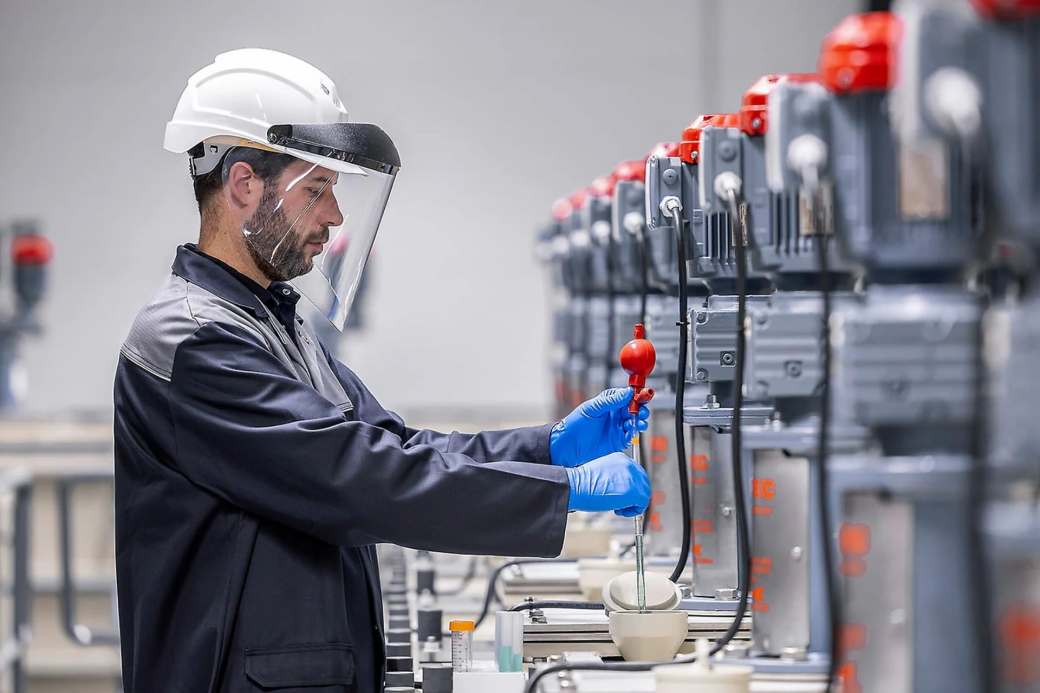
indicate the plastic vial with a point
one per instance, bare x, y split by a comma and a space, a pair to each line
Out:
462, 645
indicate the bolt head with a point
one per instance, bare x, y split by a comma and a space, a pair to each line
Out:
670, 176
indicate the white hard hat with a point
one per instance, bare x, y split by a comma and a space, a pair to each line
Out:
238, 97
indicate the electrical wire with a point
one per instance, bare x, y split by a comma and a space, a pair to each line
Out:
834, 604
491, 595
680, 394
739, 215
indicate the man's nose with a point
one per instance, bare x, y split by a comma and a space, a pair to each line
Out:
334, 217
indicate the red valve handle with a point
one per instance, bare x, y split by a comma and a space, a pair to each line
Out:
638, 357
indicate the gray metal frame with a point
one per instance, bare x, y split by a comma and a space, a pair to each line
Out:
78, 633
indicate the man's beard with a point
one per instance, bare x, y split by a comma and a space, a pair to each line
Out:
276, 247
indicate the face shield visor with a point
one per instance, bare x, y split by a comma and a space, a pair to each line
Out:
319, 211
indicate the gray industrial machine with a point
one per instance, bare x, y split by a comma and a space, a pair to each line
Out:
891, 205
905, 369
712, 315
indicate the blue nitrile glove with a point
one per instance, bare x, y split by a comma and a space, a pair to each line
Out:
598, 427
612, 482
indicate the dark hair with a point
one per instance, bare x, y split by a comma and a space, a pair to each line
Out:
266, 165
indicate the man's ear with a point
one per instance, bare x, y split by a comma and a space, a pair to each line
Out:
242, 186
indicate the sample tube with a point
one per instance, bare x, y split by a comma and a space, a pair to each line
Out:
462, 645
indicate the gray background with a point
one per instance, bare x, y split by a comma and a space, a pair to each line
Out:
497, 108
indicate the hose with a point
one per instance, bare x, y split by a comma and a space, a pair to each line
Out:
739, 215
674, 209
490, 595
822, 475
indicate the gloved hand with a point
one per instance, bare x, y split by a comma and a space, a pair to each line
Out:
598, 427
612, 482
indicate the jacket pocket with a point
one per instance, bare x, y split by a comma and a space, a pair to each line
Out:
318, 664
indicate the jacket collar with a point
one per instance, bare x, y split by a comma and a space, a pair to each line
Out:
193, 266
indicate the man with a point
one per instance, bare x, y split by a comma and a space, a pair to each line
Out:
254, 473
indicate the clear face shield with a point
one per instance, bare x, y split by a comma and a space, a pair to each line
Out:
317, 216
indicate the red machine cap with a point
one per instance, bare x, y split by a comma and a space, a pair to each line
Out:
631, 170
663, 149
859, 54
690, 147
30, 249
755, 104
604, 186
578, 197
1007, 9
561, 209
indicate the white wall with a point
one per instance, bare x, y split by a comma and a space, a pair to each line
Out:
497, 108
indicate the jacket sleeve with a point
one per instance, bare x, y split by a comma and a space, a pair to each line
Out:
251, 433
528, 444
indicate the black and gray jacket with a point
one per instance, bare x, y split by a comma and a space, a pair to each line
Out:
253, 475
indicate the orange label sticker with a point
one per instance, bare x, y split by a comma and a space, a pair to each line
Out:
761, 565
761, 510
700, 559
853, 567
849, 678
854, 539
699, 462
659, 443
759, 604
853, 637
703, 527
1020, 636
763, 489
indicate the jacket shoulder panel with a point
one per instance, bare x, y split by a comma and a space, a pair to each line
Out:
178, 310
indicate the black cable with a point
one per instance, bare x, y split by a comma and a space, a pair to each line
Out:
532, 683
834, 604
491, 594
680, 394
736, 435
587, 606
